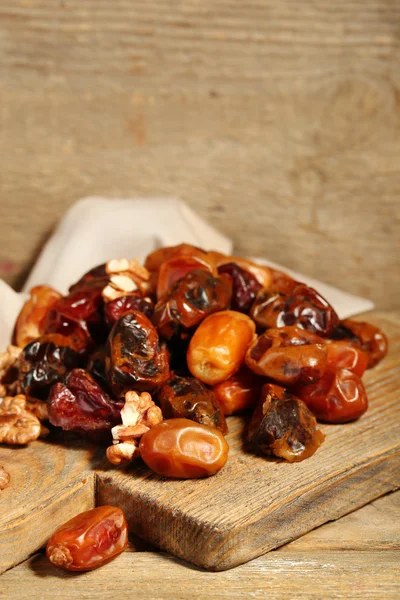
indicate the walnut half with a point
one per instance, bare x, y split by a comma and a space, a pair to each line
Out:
138, 415
18, 426
9, 370
126, 276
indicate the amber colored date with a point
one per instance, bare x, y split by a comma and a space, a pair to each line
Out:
343, 354
239, 392
89, 540
367, 337
301, 306
338, 397
218, 346
183, 449
189, 398
283, 425
30, 322
288, 355
190, 300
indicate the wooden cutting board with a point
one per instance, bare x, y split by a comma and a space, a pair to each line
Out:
253, 505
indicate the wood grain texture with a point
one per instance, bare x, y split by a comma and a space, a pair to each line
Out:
254, 505
372, 528
251, 506
49, 485
304, 575
277, 121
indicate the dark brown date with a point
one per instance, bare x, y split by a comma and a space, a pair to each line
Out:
96, 277
288, 355
301, 306
338, 397
81, 404
191, 299
89, 540
189, 398
365, 336
184, 449
244, 286
283, 425
44, 362
134, 358
122, 306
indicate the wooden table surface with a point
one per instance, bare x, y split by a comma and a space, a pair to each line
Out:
354, 557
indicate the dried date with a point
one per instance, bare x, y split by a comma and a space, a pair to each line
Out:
44, 362
338, 397
30, 321
89, 540
183, 449
122, 306
343, 354
288, 355
238, 393
82, 405
189, 398
244, 286
190, 300
365, 336
177, 267
135, 360
283, 425
301, 306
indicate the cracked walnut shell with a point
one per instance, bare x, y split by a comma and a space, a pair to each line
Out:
18, 426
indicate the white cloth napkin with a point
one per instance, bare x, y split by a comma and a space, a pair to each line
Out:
96, 229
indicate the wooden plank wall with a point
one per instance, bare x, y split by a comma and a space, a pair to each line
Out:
278, 121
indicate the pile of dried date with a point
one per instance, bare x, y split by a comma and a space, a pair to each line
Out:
150, 359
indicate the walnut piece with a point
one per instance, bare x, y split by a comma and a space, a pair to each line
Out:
4, 478
138, 415
9, 371
18, 426
37, 408
127, 276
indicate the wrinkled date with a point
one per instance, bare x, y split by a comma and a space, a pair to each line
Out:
89, 540
301, 306
122, 306
244, 286
46, 361
177, 267
30, 322
365, 336
218, 346
189, 398
338, 397
134, 358
80, 317
288, 355
183, 449
261, 273
96, 277
191, 299
283, 425
82, 405
239, 392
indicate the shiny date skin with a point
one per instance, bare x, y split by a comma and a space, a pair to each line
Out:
365, 336
238, 393
343, 354
89, 540
338, 397
190, 300
218, 347
244, 286
122, 306
189, 398
288, 355
135, 360
183, 449
31, 319
301, 306
283, 425
80, 404
44, 362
